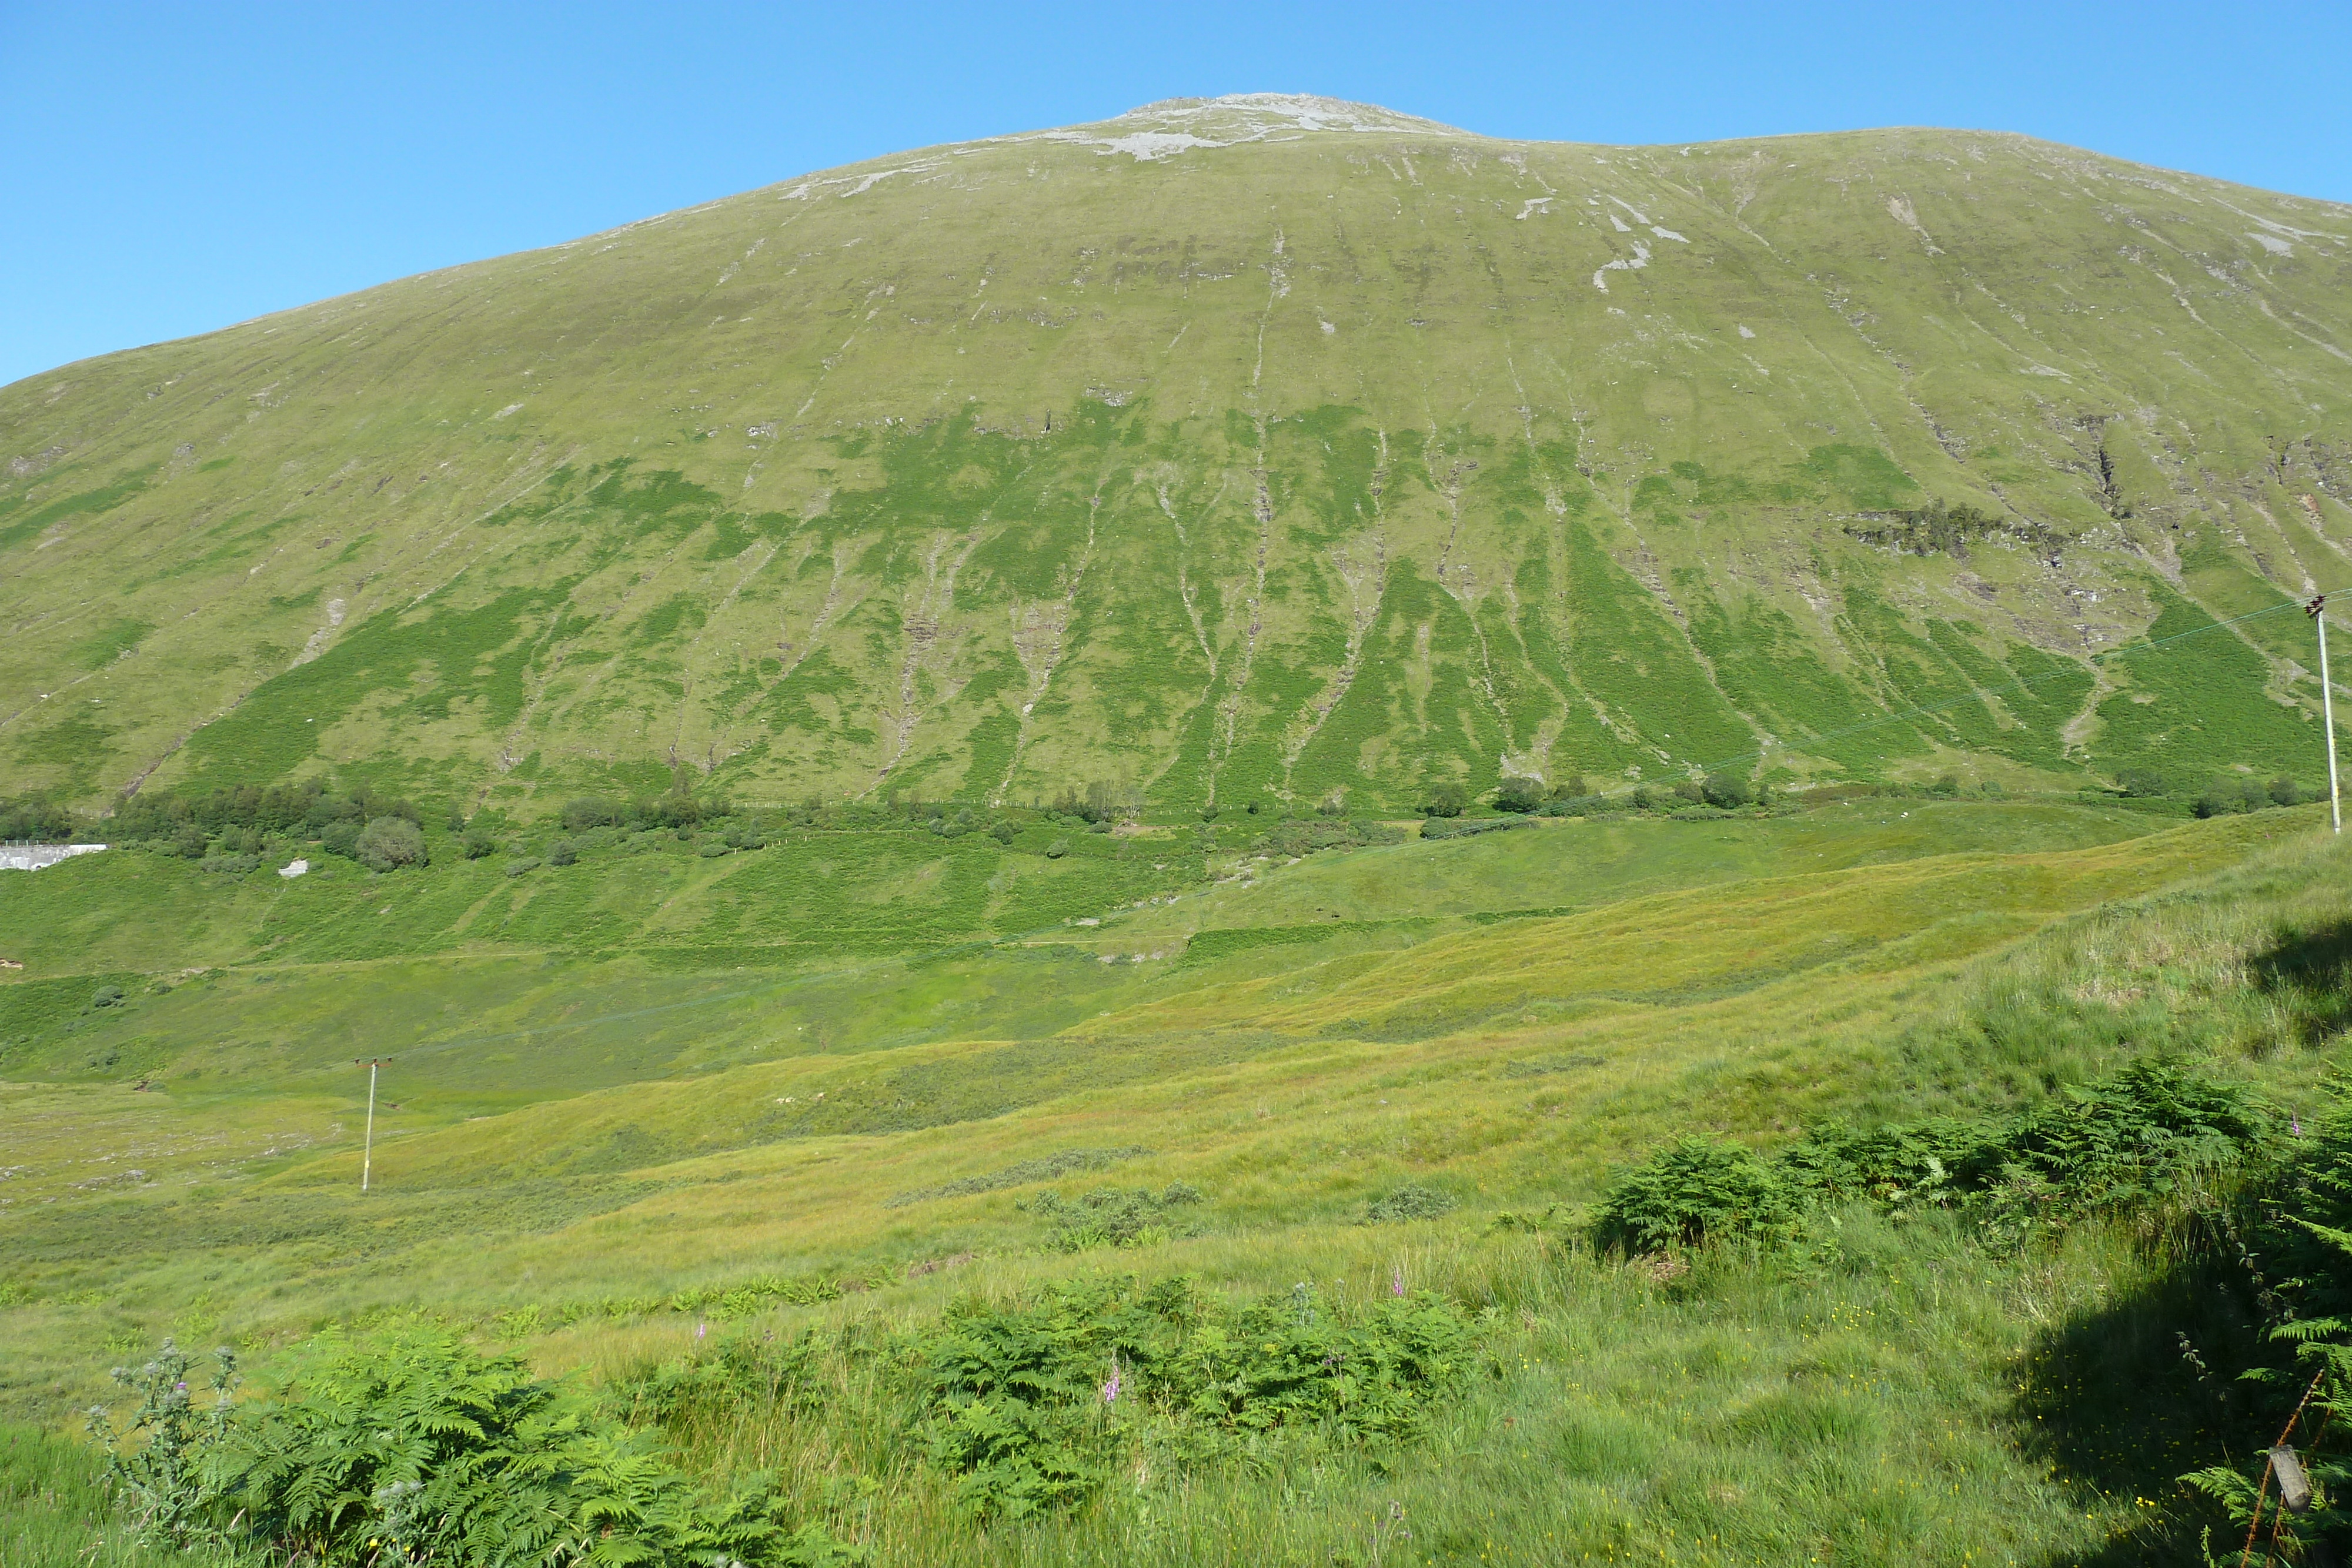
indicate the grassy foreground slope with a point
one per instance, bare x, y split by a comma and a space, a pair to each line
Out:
600, 1158
1261, 447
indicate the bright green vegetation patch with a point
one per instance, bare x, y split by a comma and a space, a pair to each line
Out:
372, 675
16, 531
110, 643
1865, 477
2188, 702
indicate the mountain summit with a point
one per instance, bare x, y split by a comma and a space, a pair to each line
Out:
1177, 125
1253, 449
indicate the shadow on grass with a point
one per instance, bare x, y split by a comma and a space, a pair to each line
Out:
2122, 1401
2313, 970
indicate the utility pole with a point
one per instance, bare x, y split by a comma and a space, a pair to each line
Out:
2317, 611
367, 1153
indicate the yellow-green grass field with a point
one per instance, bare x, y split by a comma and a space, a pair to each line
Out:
574, 1143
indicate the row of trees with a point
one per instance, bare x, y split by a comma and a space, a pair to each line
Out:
380, 844
237, 820
232, 829
36, 820
2242, 794
1099, 802
308, 809
2222, 798
679, 807
1574, 795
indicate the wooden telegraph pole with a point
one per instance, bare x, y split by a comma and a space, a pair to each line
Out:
367, 1153
2317, 611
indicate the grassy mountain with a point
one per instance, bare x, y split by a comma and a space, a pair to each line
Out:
1261, 446
996, 1185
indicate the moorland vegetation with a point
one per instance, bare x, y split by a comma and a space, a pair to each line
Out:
1734, 1250
1265, 834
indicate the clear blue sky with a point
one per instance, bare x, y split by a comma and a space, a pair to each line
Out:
173, 167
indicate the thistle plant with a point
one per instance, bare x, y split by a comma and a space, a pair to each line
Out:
155, 1463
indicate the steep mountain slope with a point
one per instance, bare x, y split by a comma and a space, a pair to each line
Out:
1258, 444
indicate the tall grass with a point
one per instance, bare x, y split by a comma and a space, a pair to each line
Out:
1870, 1396
56, 1513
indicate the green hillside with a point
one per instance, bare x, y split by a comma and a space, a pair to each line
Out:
1258, 448
767, 911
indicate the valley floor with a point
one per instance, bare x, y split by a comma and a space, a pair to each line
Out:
603, 1150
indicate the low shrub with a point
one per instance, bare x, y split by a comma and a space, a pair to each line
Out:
1727, 791
1895, 1165
1033, 1404
389, 843
1692, 1189
2141, 1136
745, 1296
1445, 800
1409, 1202
1520, 795
1436, 828
1111, 1215
591, 811
1299, 839
2291, 1233
410, 1446
2138, 1136
731, 1373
